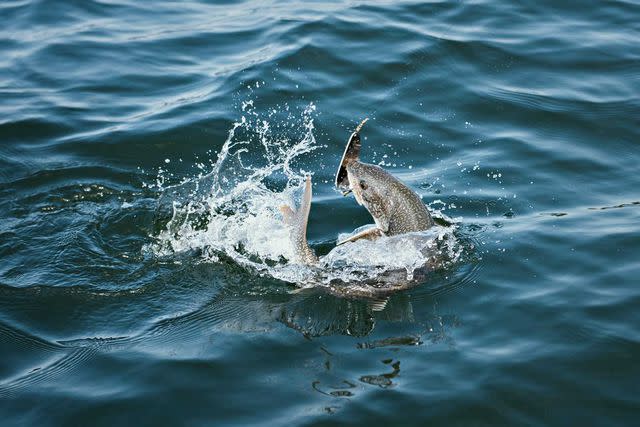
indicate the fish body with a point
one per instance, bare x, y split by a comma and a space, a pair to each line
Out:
395, 208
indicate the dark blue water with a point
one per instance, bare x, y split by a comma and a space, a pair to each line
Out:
519, 123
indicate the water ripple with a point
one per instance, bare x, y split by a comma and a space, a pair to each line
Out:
517, 123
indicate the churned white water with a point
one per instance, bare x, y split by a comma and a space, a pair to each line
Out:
231, 208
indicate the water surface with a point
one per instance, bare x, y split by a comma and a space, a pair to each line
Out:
119, 303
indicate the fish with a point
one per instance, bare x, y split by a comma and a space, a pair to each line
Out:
395, 208
376, 288
296, 221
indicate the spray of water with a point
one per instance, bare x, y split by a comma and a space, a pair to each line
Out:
230, 209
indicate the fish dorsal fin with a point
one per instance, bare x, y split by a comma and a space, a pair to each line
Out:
351, 153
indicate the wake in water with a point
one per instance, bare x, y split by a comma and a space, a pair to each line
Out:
231, 210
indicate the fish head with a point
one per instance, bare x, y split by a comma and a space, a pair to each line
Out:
370, 186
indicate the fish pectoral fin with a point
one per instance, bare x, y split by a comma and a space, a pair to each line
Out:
369, 234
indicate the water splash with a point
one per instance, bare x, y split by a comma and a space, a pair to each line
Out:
231, 206
230, 210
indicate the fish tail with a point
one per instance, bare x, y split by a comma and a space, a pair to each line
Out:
297, 221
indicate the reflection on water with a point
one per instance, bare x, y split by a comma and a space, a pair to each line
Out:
315, 312
312, 313
383, 380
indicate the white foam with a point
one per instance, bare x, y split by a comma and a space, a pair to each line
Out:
232, 208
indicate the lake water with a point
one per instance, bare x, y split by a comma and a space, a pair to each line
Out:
144, 151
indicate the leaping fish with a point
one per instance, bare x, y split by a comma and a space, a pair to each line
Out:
395, 208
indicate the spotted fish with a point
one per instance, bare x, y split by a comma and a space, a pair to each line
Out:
395, 208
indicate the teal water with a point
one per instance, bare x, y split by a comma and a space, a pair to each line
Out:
125, 301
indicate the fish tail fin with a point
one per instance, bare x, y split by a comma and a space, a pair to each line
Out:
297, 221
299, 218
288, 214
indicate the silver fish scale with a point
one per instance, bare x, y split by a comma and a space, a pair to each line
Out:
388, 200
